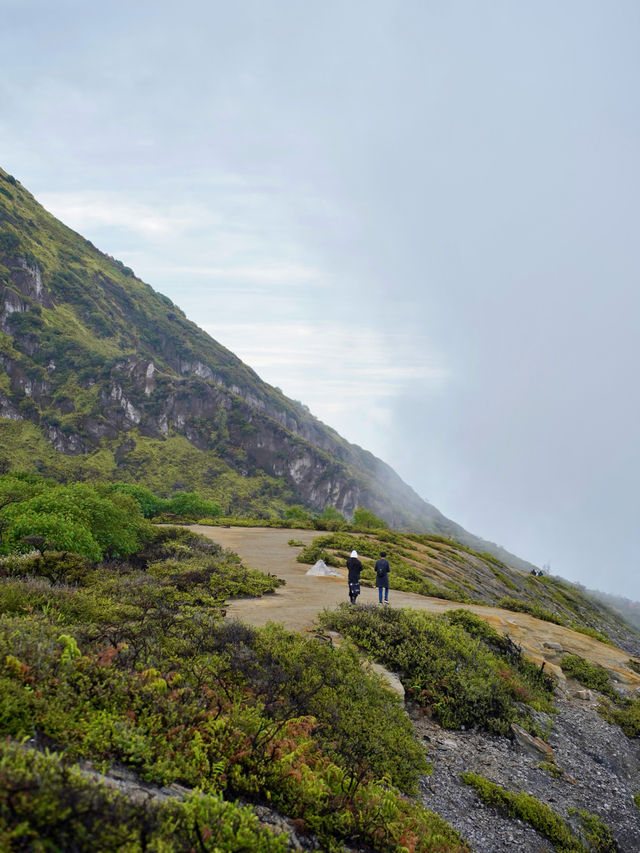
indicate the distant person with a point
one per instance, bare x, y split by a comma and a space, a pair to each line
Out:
355, 567
382, 577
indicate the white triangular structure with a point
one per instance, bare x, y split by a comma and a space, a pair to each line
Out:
321, 569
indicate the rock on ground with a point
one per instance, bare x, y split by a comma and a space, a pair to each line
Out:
600, 772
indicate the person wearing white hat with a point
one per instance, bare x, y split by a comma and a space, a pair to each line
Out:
355, 567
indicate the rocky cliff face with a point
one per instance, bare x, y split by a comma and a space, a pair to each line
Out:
90, 354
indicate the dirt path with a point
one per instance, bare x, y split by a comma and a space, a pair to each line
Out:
297, 604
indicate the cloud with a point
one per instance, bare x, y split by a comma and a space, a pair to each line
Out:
349, 376
84, 211
268, 272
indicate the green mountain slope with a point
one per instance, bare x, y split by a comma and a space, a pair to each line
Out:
103, 377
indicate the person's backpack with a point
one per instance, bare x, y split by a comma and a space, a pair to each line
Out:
380, 569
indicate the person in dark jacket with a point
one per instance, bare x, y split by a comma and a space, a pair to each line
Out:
355, 567
382, 577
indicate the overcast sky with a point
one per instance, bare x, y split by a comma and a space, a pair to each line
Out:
418, 218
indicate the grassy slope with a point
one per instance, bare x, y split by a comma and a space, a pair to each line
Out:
434, 566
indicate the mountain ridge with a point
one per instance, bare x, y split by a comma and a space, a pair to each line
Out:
110, 372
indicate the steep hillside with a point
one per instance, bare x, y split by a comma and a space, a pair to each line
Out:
103, 377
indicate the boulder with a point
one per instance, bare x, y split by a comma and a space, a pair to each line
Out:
532, 745
392, 679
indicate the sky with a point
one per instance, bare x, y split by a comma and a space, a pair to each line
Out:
419, 218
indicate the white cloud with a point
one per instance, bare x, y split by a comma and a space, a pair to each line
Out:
268, 272
86, 210
332, 368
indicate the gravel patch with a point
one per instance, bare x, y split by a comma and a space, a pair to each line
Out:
599, 772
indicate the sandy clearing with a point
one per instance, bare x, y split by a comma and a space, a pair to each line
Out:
297, 604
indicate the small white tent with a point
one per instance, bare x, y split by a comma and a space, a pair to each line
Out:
321, 569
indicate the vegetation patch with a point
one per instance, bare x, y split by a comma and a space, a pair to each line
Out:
528, 809
533, 608
48, 804
624, 713
619, 711
588, 674
444, 667
128, 661
502, 577
597, 832
591, 632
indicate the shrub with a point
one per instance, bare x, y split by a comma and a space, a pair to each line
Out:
589, 674
191, 505
591, 632
442, 666
627, 716
330, 519
77, 518
58, 531
533, 608
296, 675
148, 503
597, 832
364, 519
529, 809
46, 804
297, 513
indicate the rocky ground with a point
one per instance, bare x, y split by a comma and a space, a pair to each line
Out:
600, 772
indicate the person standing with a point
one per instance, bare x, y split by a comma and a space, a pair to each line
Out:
382, 577
355, 567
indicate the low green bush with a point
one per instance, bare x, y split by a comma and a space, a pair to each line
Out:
589, 674
528, 809
442, 666
591, 632
149, 503
533, 608
597, 832
45, 804
74, 517
296, 675
626, 715
364, 519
